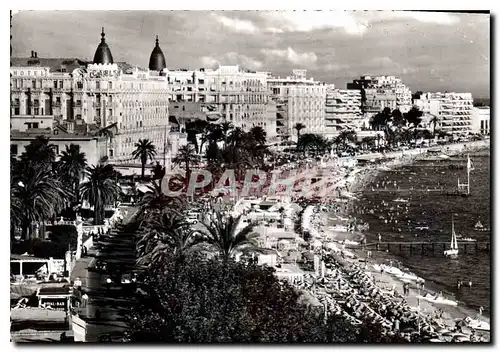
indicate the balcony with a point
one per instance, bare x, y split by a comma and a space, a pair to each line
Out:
57, 104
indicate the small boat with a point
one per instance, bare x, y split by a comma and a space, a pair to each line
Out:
401, 200
351, 243
422, 228
478, 226
477, 324
453, 251
468, 239
438, 300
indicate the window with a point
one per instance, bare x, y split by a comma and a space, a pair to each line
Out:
110, 86
13, 149
97, 85
36, 111
61, 84
33, 83
16, 111
58, 100
79, 85
140, 123
111, 153
56, 149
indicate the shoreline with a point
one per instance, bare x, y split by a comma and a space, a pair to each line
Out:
360, 182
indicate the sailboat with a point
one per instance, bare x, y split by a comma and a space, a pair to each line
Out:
453, 251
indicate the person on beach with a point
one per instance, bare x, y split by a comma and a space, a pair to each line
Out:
470, 284
459, 284
379, 238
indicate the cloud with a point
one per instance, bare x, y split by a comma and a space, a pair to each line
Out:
208, 61
231, 58
428, 17
335, 67
306, 21
304, 59
382, 62
235, 24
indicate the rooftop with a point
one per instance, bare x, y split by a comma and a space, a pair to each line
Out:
55, 64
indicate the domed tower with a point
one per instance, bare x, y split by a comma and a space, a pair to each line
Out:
102, 53
157, 59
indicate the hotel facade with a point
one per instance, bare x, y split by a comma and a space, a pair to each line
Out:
298, 100
92, 99
228, 93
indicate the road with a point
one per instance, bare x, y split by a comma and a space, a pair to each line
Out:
117, 250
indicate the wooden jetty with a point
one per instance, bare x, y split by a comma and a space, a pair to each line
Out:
465, 247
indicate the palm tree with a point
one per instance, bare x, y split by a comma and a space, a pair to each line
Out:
187, 156
144, 150
226, 127
346, 136
298, 127
71, 167
39, 153
162, 233
100, 189
154, 201
434, 122
258, 134
226, 236
36, 195
236, 137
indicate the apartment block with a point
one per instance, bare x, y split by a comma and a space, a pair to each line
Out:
454, 110
237, 95
298, 100
342, 111
381, 92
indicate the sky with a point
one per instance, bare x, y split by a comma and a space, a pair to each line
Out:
430, 51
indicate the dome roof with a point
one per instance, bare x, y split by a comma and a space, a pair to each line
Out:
157, 59
102, 53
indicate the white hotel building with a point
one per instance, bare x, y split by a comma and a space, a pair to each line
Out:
298, 100
237, 95
453, 110
85, 99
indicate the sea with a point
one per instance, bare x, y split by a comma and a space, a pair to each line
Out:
404, 204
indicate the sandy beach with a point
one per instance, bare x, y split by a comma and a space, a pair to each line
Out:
442, 315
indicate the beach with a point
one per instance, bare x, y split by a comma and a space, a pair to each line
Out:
444, 316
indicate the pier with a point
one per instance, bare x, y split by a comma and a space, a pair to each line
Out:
464, 247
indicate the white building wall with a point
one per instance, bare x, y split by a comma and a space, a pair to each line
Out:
299, 100
480, 122
239, 95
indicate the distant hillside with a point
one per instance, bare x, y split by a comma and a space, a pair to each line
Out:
481, 102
